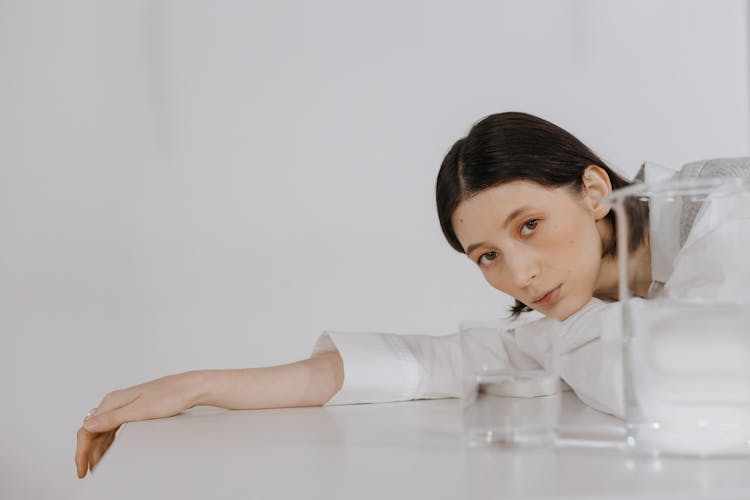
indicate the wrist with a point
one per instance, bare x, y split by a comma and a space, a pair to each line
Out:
199, 387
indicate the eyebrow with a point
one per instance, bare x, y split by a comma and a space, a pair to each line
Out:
515, 213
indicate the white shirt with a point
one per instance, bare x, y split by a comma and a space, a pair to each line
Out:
383, 367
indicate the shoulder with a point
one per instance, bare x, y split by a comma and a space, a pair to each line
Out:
717, 167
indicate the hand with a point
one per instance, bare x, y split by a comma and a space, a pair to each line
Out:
163, 397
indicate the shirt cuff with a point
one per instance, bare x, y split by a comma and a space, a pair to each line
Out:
378, 367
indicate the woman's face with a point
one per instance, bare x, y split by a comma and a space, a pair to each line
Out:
540, 245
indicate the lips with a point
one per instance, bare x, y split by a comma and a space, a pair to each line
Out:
550, 298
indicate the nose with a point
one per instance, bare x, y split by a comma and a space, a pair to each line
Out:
522, 266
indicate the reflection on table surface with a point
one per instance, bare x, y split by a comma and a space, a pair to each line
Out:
394, 450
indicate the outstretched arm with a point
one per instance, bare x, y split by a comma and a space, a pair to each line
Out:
310, 382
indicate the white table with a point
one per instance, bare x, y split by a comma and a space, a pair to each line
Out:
408, 450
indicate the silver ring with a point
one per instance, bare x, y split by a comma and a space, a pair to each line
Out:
90, 414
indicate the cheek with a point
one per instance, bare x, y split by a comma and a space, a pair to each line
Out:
496, 281
576, 257
586, 257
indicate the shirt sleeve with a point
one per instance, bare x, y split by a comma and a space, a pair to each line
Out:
384, 367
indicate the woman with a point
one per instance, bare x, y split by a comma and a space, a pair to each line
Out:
522, 199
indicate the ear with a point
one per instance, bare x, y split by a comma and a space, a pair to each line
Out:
596, 185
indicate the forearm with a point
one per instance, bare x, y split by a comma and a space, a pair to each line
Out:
310, 382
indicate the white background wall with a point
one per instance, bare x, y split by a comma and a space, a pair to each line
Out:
210, 184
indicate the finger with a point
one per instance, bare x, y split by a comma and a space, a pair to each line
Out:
96, 454
83, 446
108, 421
100, 448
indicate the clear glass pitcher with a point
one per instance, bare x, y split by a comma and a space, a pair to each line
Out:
686, 324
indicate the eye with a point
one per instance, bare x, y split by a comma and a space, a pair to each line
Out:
486, 258
529, 226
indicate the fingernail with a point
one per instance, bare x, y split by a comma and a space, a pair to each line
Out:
91, 424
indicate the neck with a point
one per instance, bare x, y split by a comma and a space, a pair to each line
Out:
639, 270
639, 274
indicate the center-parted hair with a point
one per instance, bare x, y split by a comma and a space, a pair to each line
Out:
513, 146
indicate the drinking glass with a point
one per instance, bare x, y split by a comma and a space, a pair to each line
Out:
503, 403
